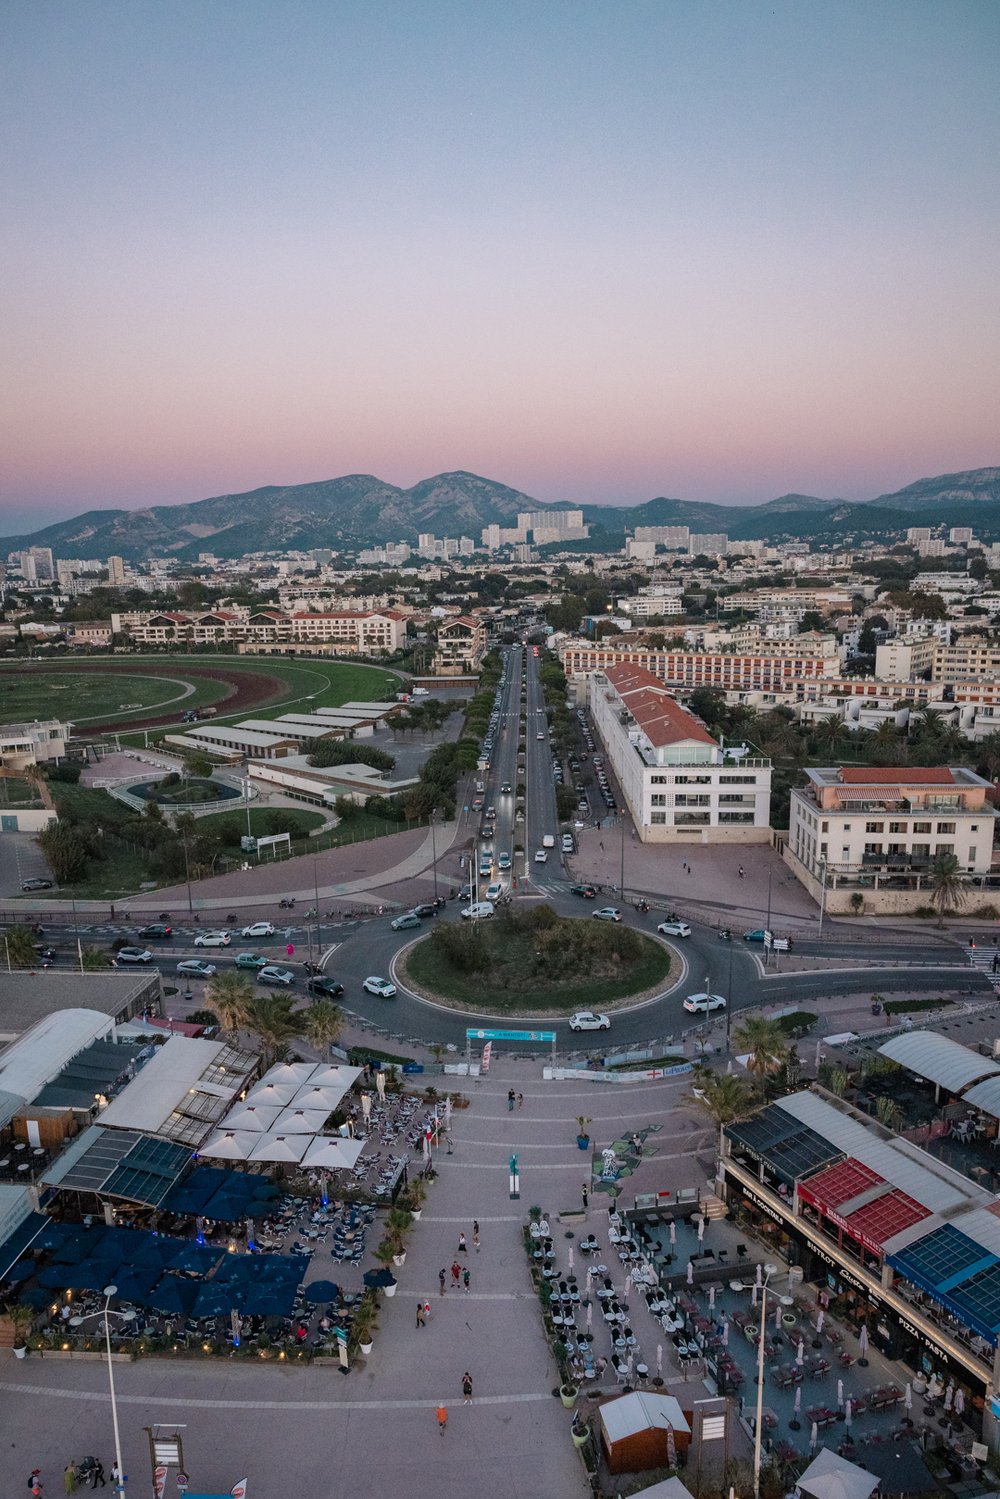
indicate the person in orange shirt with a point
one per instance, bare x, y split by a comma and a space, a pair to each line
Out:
442, 1418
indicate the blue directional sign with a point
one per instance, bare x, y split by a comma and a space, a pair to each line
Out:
472, 1035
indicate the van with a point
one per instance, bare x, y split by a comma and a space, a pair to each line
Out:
548, 840
478, 910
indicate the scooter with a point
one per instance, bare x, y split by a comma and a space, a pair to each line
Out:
286, 904
725, 935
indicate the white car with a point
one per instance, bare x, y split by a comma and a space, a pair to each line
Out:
258, 929
539, 736
212, 939
586, 1020
541, 857
701, 1004
478, 910
494, 891
607, 913
674, 929
381, 987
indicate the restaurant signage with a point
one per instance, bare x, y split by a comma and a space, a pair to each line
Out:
764, 1206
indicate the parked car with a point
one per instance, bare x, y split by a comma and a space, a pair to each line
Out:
328, 988
133, 955
258, 929
278, 978
40, 884
607, 913
250, 960
405, 922
382, 987
702, 1004
155, 933
478, 910
587, 1020
212, 939
195, 968
674, 929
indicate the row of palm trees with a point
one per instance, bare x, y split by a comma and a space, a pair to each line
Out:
269, 1017
768, 1051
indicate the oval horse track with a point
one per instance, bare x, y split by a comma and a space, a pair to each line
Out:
244, 689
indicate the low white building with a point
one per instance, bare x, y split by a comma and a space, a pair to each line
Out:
323, 784
679, 782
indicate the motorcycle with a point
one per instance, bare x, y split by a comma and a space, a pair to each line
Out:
286, 903
725, 935
641, 905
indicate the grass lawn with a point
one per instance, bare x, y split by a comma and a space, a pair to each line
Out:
86, 695
15, 791
562, 968
304, 821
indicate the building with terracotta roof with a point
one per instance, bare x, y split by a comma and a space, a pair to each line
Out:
873, 829
680, 784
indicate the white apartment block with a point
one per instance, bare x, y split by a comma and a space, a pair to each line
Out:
685, 670
823, 600
890, 823
349, 632
965, 659
707, 543
904, 660
646, 606
916, 534
674, 538
960, 536
680, 785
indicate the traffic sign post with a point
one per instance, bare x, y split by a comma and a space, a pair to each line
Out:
514, 1178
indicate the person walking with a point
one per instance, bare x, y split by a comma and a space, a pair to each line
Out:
69, 1478
520, 1100
456, 1272
117, 1481
475, 1236
462, 1246
421, 1318
466, 1388
35, 1480
511, 1100
97, 1475
442, 1418
585, 1194
466, 1278
442, 1274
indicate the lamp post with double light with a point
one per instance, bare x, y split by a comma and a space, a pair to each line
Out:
759, 1422
107, 1314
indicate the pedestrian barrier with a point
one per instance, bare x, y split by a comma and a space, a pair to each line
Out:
647, 1075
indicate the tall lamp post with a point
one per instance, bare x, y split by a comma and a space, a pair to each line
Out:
758, 1424
434, 857
822, 895
106, 1313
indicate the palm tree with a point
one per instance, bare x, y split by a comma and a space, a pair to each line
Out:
766, 1043
322, 1024
270, 1018
20, 947
989, 756
229, 996
829, 734
725, 1097
948, 886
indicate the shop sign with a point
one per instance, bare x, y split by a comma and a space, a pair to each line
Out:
764, 1206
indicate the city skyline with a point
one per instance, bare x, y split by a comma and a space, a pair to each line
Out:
700, 251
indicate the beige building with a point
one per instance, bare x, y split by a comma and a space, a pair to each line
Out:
349, 632
461, 646
679, 783
728, 672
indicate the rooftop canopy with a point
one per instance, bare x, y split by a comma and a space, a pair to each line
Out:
939, 1059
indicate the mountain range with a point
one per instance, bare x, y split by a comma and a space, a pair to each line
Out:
360, 510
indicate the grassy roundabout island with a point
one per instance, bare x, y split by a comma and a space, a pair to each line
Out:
529, 960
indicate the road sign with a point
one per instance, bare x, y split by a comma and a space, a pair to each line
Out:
183, 1482
477, 1035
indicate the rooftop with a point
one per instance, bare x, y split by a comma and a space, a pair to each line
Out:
656, 711
27, 997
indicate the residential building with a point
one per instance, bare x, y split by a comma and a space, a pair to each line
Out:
348, 632
23, 744
904, 660
92, 632
461, 646
917, 534
674, 538
707, 543
116, 571
867, 827
960, 536
968, 657
690, 669
646, 604
678, 781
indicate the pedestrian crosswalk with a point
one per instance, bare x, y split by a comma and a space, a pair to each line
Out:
986, 959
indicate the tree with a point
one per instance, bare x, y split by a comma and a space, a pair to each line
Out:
766, 1043
228, 996
67, 850
327, 752
948, 886
323, 1021
989, 756
197, 766
270, 1018
725, 1097
20, 947
94, 959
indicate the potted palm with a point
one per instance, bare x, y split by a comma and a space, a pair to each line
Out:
20, 1317
385, 1254
364, 1323
582, 1138
579, 1431
416, 1196
568, 1393
398, 1222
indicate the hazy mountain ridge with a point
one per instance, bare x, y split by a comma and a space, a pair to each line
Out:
361, 509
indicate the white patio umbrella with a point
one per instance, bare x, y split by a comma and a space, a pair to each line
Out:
908, 1396
380, 1084
673, 1232
777, 1314
798, 1399
949, 1396
690, 1273
333, 1074
831, 1476
272, 1093
725, 1334
800, 1353
230, 1145
959, 1402
711, 1297
628, 1282
327, 1097
332, 1153
840, 1392
288, 1148
301, 1121
251, 1116
813, 1437
590, 1315
298, 1073
569, 1257
753, 1295
366, 1106
628, 1366
847, 1415
701, 1229
862, 1342
759, 1276
819, 1320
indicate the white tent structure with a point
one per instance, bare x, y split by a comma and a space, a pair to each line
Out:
256, 1117
830, 1476
332, 1154
283, 1117
288, 1149
290, 1072
230, 1145
278, 1094
301, 1121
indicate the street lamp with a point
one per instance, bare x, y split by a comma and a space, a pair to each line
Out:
758, 1424
128, 1316
822, 895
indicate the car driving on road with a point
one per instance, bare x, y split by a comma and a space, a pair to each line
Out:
405, 922
278, 978
250, 960
382, 987
40, 884
607, 913
133, 955
478, 910
258, 929
155, 933
779, 944
674, 929
587, 1020
702, 1004
586, 892
195, 968
212, 939
328, 988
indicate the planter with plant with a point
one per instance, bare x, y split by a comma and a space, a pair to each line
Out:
413, 1198
567, 1394
20, 1318
386, 1254
364, 1323
582, 1138
579, 1431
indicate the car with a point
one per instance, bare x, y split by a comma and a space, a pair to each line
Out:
541, 857
278, 978
212, 939
328, 988
429, 907
40, 884
258, 929
674, 929
195, 968
491, 813
405, 922
465, 893
587, 1020
586, 892
382, 987
780, 944
702, 1004
155, 933
478, 910
494, 891
486, 831
133, 955
568, 843
539, 735
607, 913
250, 960
503, 861
506, 789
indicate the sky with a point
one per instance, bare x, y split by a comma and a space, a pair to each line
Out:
710, 249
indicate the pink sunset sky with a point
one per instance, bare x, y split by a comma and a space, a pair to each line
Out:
596, 252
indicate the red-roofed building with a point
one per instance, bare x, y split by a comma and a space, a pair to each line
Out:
876, 830
681, 784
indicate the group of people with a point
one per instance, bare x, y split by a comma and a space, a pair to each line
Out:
459, 1277
77, 1475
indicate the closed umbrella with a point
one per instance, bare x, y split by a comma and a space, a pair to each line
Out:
959, 1402
569, 1257
753, 1295
628, 1366
759, 1277
819, 1321
795, 1423
628, 1283
777, 1314
711, 1297
673, 1232
725, 1334
590, 1315
840, 1393
949, 1396
813, 1437
701, 1229
863, 1346
908, 1396
800, 1353
847, 1415
690, 1273
659, 1358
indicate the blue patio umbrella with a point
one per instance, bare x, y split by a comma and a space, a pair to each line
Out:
23, 1270
35, 1296
196, 1258
321, 1290
172, 1295
153, 1252
212, 1301
379, 1279
135, 1285
270, 1301
54, 1234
